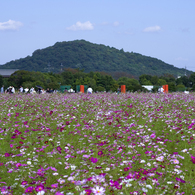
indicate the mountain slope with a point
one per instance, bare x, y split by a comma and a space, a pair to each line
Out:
92, 57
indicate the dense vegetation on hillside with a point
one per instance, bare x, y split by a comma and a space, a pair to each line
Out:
93, 57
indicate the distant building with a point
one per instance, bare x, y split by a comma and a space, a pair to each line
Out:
7, 72
148, 87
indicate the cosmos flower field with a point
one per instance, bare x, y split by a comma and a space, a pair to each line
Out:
134, 143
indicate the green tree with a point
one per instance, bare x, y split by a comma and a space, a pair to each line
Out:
145, 79
161, 82
67, 78
171, 87
114, 87
192, 79
180, 87
184, 80
193, 87
154, 80
53, 85
92, 83
1, 80
28, 84
100, 89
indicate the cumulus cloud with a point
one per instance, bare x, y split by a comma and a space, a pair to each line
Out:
152, 29
116, 23
81, 26
181, 59
10, 25
184, 30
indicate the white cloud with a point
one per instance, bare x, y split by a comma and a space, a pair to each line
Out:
10, 25
116, 23
185, 30
152, 29
181, 59
104, 23
81, 26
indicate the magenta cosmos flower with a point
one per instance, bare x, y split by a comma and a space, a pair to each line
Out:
93, 160
100, 153
39, 188
29, 189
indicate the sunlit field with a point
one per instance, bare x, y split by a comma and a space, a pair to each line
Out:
134, 143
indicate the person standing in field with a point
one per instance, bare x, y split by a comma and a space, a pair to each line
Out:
21, 90
160, 90
2, 89
89, 90
118, 90
12, 89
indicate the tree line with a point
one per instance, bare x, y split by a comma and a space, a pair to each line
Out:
99, 81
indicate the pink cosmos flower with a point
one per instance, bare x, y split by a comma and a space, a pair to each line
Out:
153, 135
160, 158
18, 164
58, 193
54, 185
175, 161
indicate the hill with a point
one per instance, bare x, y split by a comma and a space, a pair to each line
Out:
93, 57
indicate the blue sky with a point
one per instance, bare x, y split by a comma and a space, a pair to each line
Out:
162, 29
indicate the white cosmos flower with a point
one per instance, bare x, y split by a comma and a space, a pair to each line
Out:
148, 164
41, 193
149, 186
144, 190
73, 167
98, 190
29, 162
128, 185
182, 177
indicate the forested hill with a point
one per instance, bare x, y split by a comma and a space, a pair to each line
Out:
92, 57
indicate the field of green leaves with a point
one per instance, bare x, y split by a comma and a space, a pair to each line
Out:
134, 143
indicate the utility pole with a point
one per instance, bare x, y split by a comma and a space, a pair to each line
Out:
48, 67
61, 66
185, 71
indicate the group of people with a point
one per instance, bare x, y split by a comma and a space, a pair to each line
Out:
32, 90
89, 90
10, 89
